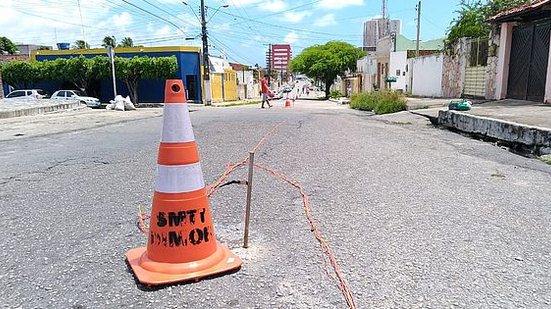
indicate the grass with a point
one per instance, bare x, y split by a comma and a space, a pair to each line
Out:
380, 102
335, 94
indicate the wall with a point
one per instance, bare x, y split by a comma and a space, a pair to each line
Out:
384, 46
453, 73
397, 67
216, 87
367, 69
492, 67
188, 71
427, 76
246, 84
7, 58
224, 86
230, 85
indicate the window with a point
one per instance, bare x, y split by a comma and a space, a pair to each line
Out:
15, 94
398, 72
61, 94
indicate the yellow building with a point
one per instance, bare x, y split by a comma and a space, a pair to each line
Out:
223, 81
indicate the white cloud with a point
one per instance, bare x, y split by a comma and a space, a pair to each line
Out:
295, 17
189, 19
273, 6
224, 27
339, 4
326, 20
244, 2
291, 37
164, 31
122, 20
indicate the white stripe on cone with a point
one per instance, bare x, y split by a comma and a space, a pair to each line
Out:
179, 178
176, 124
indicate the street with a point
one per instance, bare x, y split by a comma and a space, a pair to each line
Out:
416, 216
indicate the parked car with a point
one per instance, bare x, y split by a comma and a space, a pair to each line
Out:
276, 95
27, 94
76, 95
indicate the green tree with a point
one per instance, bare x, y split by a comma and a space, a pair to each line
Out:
83, 73
472, 18
495, 6
21, 74
126, 42
132, 70
326, 62
53, 70
109, 41
80, 44
6, 45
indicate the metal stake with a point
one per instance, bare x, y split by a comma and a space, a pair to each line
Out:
249, 194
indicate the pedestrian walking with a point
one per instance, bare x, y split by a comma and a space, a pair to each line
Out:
265, 91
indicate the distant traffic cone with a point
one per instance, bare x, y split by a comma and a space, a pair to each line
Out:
287, 103
181, 242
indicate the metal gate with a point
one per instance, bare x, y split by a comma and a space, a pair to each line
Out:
528, 61
475, 72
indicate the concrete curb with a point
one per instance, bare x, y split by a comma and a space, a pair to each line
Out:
41, 110
342, 100
238, 103
537, 138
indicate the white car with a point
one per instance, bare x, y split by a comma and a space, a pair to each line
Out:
32, 94
76, 95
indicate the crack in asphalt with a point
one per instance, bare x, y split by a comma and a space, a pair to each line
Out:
48, 169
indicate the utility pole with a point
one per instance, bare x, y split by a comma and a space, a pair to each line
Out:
418, 28
81, 23
416, 46
206, 65
269, 63
111, 54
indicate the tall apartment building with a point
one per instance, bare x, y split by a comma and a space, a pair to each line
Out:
375, 29
279, 57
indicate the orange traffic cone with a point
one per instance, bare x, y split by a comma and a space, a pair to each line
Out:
287, 103
181, 242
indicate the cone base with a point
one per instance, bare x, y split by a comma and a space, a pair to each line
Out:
155, 273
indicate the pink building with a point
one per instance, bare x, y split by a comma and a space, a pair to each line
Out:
280, 57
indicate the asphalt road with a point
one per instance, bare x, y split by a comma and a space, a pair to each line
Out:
417, 217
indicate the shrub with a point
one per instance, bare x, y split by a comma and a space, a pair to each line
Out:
363, 101
380, 102
335, 94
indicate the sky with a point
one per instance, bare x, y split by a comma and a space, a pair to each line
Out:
240, 32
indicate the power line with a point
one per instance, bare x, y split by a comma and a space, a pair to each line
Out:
290, 28
155, 15
169, 13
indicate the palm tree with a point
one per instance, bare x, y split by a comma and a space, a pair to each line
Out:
80, 44
109, 41
126, 42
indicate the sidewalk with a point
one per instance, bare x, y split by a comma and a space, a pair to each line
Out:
69, 121
17, 108
521, 123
